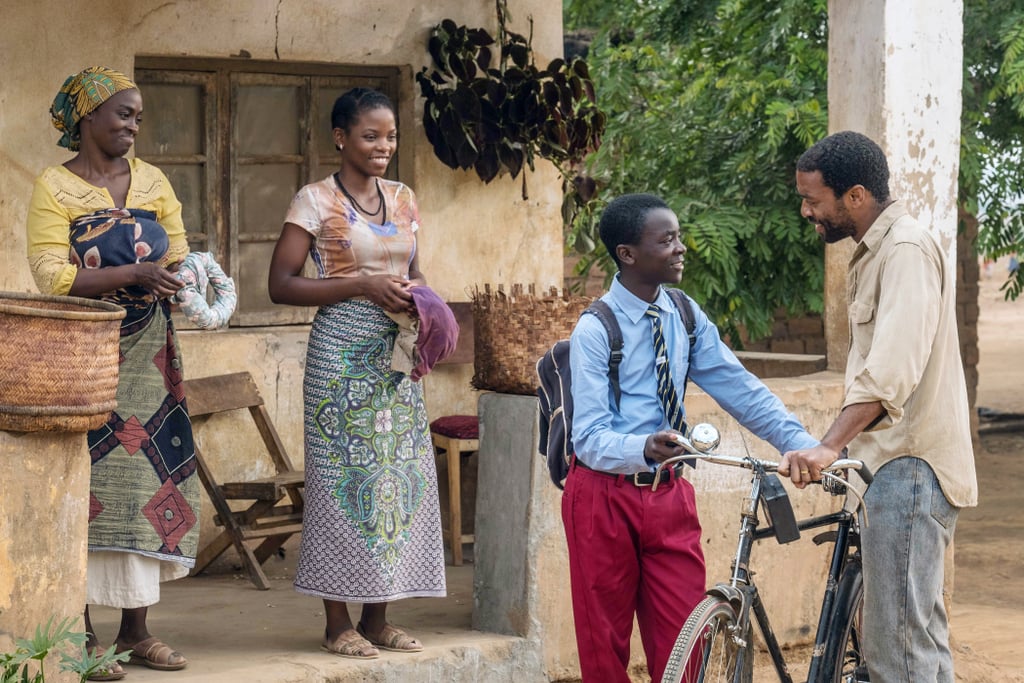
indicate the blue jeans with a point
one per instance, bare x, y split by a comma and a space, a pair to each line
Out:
910, 524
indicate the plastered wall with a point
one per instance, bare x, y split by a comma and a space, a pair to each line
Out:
44, 508
471, 233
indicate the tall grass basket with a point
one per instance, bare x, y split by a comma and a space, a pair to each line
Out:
58, 362
512, 331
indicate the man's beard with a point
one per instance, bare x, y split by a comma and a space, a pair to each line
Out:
835, 233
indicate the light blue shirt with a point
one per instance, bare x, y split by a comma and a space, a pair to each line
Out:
611, 438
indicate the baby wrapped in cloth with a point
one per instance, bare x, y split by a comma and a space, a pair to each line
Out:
198, 271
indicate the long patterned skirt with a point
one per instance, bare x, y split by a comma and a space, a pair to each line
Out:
372, 527
144, 492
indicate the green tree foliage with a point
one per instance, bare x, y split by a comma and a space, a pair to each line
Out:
709, 105
992, 141
710, 102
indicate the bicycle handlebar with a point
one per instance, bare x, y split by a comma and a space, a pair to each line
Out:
747, 462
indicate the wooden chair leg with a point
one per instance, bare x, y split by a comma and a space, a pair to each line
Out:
212, 551
231, 527
269, 546
455, 501
253, 566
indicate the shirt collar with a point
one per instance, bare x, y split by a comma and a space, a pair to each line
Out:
633, 306
873, 237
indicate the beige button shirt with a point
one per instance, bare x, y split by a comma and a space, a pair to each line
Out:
905, 352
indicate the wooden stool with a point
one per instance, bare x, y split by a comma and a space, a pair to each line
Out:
456, 434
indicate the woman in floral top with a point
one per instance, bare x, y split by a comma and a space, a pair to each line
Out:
372, 531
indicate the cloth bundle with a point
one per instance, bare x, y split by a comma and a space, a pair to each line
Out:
426, 338
198, 271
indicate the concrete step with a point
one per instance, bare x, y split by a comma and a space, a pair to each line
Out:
233, 633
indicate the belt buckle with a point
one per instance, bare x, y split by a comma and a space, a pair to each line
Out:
637, 482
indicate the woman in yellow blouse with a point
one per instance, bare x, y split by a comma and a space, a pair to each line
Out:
107, 227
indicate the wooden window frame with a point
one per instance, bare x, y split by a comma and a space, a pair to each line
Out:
220, 232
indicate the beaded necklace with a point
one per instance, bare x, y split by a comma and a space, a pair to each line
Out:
380, 197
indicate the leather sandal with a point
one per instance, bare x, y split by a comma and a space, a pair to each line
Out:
392, 638
112, 672
154, 654
350, 644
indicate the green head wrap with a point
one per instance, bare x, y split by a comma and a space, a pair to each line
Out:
80, 94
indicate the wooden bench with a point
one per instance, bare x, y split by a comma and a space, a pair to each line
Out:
265, 518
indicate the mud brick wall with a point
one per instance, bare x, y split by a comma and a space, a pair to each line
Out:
805, 334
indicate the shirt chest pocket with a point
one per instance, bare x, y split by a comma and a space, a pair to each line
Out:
862, 326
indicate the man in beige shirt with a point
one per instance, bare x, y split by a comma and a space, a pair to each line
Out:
905, 410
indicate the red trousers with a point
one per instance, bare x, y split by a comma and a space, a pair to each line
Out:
631, 551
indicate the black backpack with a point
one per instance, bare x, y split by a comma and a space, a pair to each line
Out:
555, 390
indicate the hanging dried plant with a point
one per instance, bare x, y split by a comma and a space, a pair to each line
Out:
489, 108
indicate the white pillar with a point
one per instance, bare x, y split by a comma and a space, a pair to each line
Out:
895, 74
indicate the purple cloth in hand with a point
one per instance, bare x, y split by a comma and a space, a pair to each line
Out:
438, 330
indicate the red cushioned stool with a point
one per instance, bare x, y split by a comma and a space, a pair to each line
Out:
456, 434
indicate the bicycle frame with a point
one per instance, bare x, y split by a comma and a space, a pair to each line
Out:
742, 592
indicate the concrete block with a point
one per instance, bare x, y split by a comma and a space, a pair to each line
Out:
44, 514
781, 364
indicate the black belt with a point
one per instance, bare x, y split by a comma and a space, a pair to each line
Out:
638, 479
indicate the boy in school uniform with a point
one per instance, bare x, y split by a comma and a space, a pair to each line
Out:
634, 551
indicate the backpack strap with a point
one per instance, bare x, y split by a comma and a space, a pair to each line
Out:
603, 312
685, 307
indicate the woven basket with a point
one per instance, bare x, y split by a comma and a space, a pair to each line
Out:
513, 330
58, 362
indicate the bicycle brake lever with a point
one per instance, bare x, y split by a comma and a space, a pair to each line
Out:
857, 465
849, 490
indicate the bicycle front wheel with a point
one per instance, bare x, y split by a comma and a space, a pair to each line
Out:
843, 660
709, 648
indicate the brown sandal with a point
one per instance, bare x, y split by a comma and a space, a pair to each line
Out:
154, 654
112, 672
392, 638
352, 645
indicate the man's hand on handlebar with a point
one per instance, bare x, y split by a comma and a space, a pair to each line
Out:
662, 445
805, 466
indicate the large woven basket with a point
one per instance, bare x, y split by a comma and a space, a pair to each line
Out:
58, 362
513, 330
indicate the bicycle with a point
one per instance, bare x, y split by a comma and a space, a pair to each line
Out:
715, 643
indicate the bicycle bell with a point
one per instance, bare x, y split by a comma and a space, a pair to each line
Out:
704, 437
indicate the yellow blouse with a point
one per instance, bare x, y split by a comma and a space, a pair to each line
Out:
60, 196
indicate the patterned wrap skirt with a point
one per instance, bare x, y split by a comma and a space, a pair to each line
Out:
144, 488
372, 527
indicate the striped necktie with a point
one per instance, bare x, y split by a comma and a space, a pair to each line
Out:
666, 387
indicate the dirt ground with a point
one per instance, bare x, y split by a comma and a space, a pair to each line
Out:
988, 599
